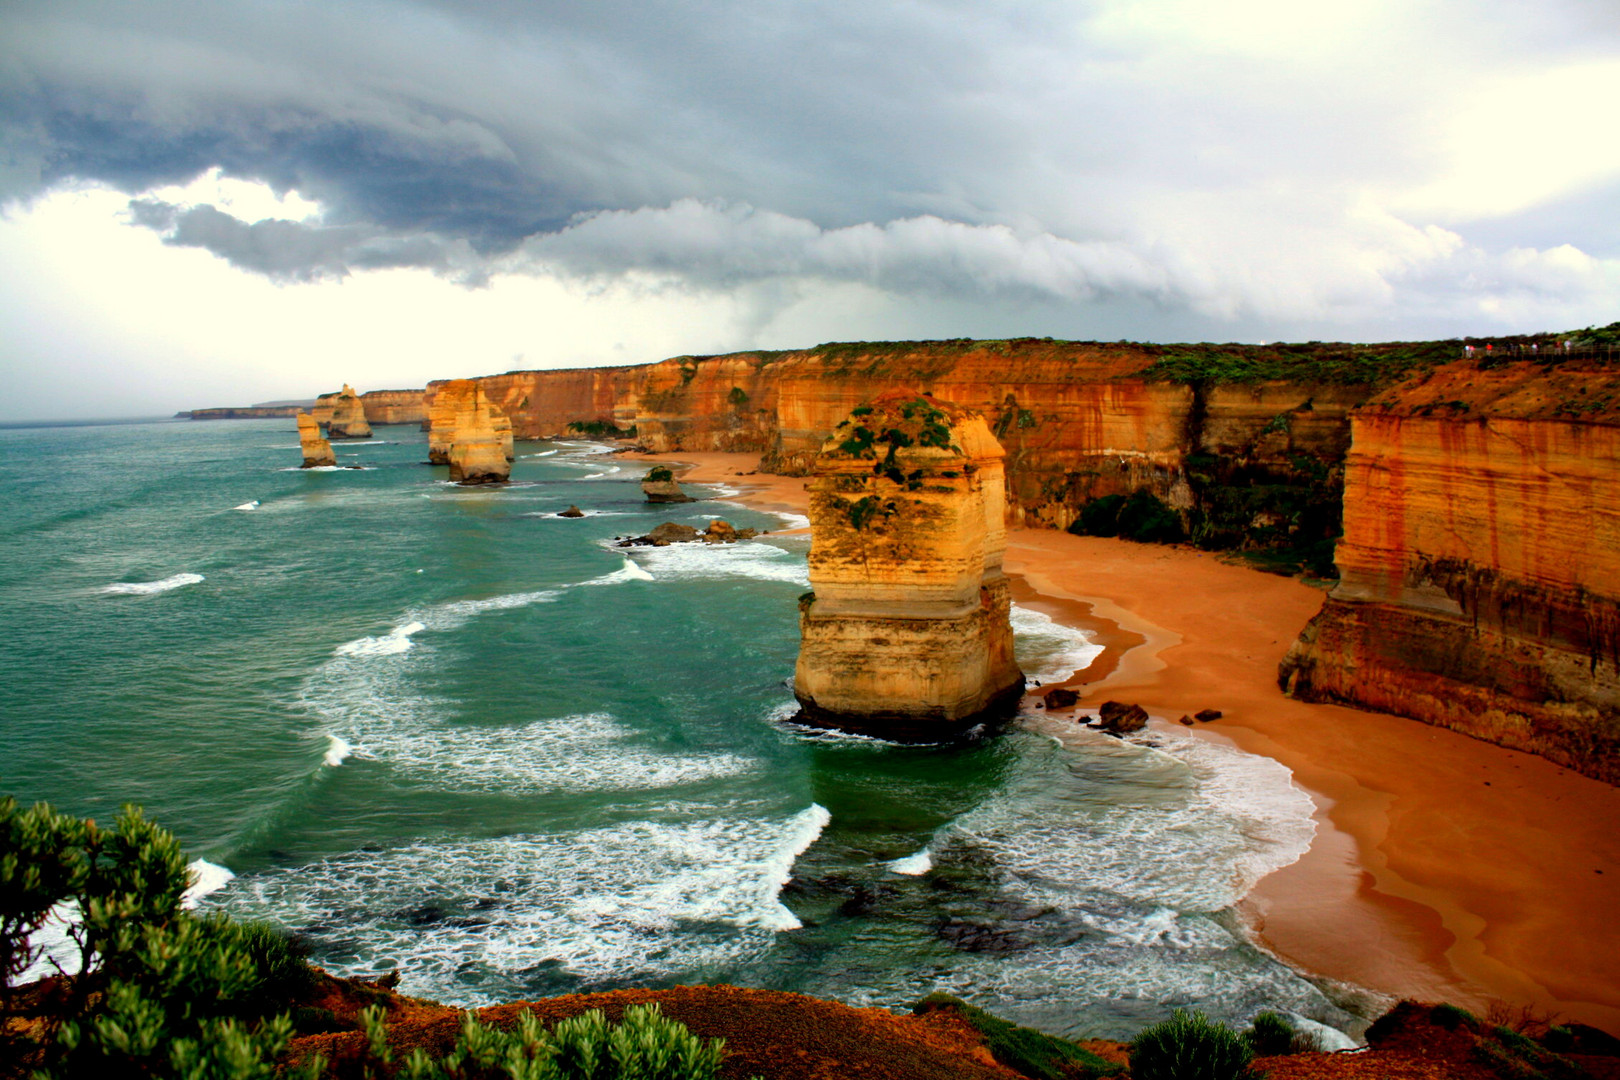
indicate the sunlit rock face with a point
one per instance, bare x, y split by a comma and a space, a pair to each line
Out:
470, 434
1480, 565
343, 415
660, 486
906, 635
317, 451
394, 406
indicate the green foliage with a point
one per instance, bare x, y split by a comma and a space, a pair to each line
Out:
658, 474
159, 991
1031, 1052
1311, 362
1142, 517
646, 1045
601, 429
738, 397
865, 510
1271, 1035
1452, 1017
1189, 1046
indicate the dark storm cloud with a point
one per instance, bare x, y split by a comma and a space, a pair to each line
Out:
1233, 159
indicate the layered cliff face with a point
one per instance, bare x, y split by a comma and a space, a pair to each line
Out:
470, 434
342, 415
317, 451
394, 406
1480, 566
1244, 443
906, 635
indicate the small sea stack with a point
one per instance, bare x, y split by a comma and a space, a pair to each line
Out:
317, 451
469, 433
345, 414
659, 486
906, 635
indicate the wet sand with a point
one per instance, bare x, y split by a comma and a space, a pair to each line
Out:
1444, 868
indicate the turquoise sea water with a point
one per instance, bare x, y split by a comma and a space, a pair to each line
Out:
444, 730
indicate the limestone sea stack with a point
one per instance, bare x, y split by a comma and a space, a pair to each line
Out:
317, 451
345, 414
906, 635
469, 433
659, 486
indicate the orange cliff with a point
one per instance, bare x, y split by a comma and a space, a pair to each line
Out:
394, 406
906, 635
1480, 566
1078, 420
342, 415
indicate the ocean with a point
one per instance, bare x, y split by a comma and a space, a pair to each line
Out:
445, 731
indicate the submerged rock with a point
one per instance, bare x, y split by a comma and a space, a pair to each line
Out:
718, 532
659, 486
571, 512
317, 451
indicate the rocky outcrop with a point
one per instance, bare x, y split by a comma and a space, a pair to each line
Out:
242, 412
660, 486
394, 406
670, 532
906, 635
470, 434
317, 451
342, 414
1480, 566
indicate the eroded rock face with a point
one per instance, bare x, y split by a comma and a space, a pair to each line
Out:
394, 406
660, 486
470, 434
1480, 585
317, 451
344, 414
906, 635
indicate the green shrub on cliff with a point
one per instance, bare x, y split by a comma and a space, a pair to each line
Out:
1142, 517
1031, 1052
1190, 1046
158, 991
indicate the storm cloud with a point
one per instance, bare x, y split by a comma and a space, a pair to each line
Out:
1409, 166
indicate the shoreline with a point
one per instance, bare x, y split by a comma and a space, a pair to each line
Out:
1443, 868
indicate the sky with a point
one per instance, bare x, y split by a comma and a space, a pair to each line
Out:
222, 202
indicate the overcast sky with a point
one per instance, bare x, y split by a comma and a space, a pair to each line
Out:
224, 201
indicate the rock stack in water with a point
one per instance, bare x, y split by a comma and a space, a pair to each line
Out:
317, 451
469, 433
906, 635
344, 414
660, 486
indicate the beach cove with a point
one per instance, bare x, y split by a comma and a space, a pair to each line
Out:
1443, 867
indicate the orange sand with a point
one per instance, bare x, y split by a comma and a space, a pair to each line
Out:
1444, 868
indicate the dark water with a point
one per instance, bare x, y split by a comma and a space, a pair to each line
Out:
447, 731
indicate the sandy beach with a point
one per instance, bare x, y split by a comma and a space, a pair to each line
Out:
1443, 868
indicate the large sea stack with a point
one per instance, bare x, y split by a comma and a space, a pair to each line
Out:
317, 451
906, 635
1480, 565
469, 433
344, 414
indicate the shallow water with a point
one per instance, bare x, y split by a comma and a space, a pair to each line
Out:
444, 730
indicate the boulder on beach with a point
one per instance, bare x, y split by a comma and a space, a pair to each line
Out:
1206, 715
659, 486
1185, 721
1118, 718
1061, 698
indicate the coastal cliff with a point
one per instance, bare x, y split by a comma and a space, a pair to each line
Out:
1480, 566
394, 406
470, 434
906, 635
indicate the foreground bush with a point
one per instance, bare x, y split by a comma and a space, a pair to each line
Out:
1033, 1053
646, 1046
1189, 1046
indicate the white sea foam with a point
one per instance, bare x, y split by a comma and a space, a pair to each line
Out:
913, 865
1047, 650
791, 521
337, 750
708, 562
570, 753
254, 505
137, 588
206, 877
395, 641
630, 571
629, 901
611, 470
